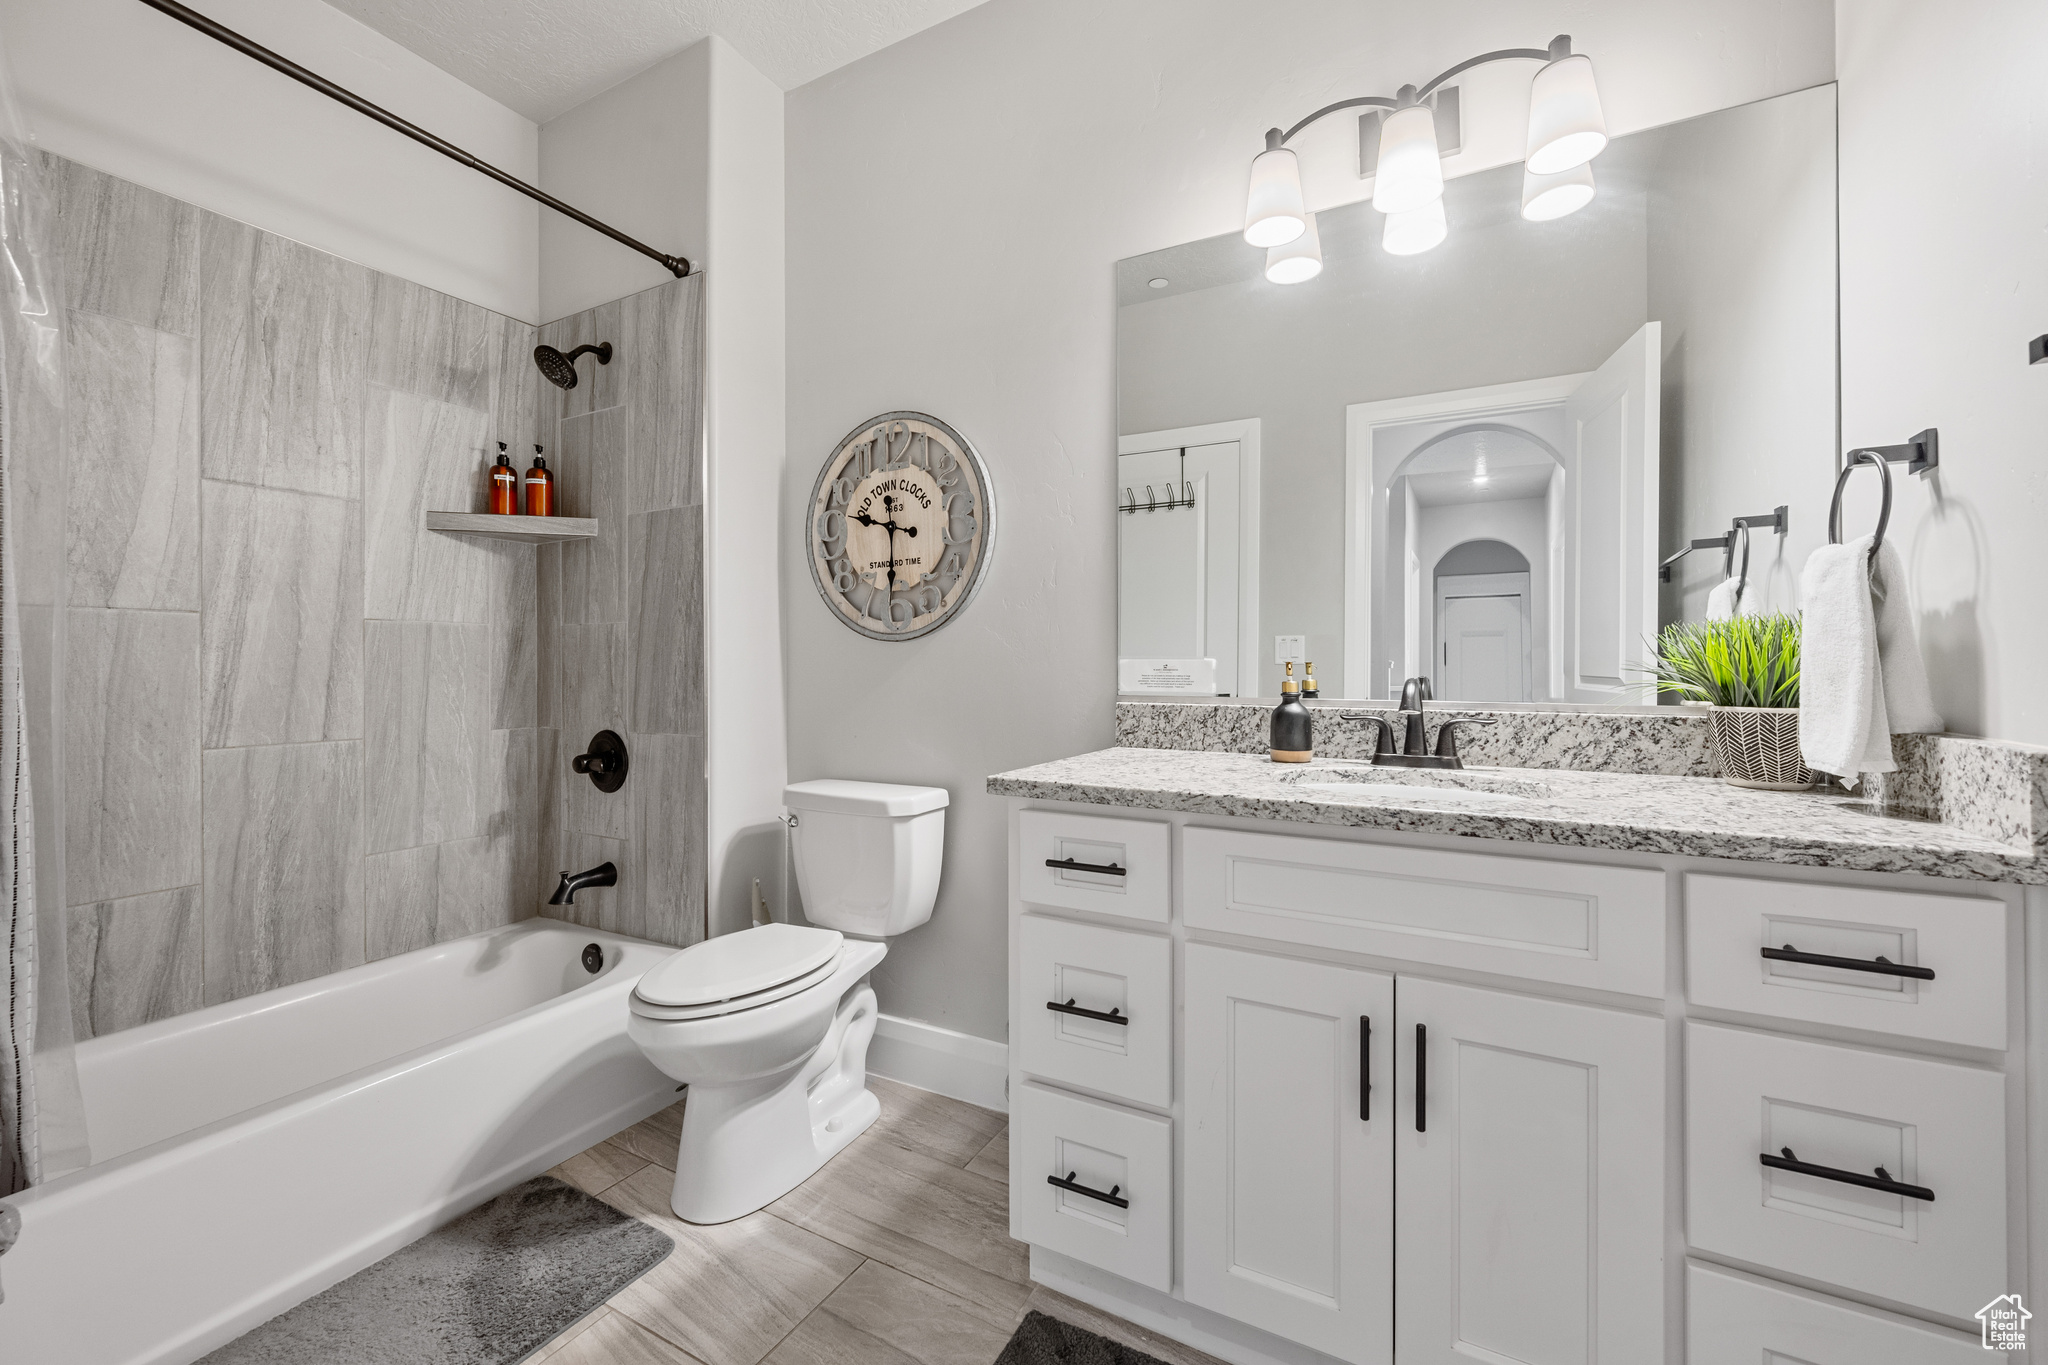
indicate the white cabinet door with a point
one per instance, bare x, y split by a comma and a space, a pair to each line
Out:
1529, 1147
1287, 1201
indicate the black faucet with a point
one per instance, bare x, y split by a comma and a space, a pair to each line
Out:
1414, 753
604, 874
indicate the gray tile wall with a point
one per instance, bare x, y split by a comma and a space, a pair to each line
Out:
301, 731
620, 620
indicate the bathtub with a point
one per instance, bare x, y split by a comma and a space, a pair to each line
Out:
249, 1155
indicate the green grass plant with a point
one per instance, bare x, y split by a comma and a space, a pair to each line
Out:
1747, 661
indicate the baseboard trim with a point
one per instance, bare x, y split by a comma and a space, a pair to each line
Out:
958, 1065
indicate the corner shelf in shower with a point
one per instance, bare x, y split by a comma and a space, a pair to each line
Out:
525, 530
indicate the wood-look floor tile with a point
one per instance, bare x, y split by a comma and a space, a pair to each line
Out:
730, 1292
1163, 1349
994, 1159
921, 1215
949, 1129
615, 1339
568, 1334
882, 1316
654, 1139
596, 1169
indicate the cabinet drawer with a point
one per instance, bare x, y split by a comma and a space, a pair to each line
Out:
1733, 1319
1730, 921
1575, 923
1102, 1148
1108, 971
1936, 1125
1139, 849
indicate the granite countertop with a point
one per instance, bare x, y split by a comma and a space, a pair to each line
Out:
1694, 816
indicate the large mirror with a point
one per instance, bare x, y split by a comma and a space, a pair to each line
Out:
1468, 464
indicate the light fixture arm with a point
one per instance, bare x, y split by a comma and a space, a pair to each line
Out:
1560, 46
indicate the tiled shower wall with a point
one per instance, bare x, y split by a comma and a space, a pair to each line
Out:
622, 616
302, 732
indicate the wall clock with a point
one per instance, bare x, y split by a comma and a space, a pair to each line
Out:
901, 525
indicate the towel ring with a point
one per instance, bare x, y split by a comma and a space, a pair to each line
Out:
1728, 568
1884, 513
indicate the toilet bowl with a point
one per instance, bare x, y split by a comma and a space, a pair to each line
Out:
769, 1027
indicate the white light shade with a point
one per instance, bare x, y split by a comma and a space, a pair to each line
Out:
1273, 213
1545, 197
1298, 260
1416, 230
1410, 172
1566, 128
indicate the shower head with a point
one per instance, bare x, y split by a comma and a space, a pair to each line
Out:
561, 369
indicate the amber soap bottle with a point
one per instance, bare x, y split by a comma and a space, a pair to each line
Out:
504, 485
540, 488
1293, 735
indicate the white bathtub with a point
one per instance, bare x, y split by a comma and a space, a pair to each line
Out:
249, 1155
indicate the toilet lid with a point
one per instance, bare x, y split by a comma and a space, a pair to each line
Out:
739, 964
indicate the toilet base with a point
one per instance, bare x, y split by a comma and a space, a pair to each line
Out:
748, 1143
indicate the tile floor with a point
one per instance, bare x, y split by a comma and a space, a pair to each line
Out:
897, 1253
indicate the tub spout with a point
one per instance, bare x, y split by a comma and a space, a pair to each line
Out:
604, 874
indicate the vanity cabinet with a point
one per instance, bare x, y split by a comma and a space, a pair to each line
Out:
1288, 1135
1425, 1100
1529, 1162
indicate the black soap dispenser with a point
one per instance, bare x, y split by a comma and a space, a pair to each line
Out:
1293, 737
1309, 690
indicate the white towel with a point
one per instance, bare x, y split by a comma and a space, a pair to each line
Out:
1724, 601
1861, 677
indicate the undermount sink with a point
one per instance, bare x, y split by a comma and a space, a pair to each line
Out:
1436, 786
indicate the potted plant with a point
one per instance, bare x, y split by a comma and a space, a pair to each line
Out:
1747, 670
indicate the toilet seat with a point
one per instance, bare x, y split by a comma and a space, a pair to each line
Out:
737, 971
647, 1009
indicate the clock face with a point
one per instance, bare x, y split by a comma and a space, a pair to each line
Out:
901, 524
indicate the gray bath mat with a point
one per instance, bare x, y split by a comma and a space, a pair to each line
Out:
490, 1288
1044, 1340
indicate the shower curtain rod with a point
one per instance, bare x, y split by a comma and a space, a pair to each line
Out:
677, 264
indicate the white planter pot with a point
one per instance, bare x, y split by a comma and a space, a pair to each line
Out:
1758, 746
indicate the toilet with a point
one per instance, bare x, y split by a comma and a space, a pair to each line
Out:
769, 1027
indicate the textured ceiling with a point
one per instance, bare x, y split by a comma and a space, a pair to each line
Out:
542, 57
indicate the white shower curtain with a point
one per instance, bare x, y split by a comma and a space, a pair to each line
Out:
42, 1128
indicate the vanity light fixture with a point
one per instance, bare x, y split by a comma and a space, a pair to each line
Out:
1545, 197
1416, 231
1567, 129
1273, 212
1298, 260
1411, 171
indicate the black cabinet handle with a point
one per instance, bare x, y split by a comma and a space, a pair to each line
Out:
1881, 1181
1421, 1078
1113, 1017
1069, 865
1881, 965
1068, 1184
1364, 1069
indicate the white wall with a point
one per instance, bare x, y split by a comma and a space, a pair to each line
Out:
128, 90
1944, 280
956, 202
638, 157
690, 151
746, 749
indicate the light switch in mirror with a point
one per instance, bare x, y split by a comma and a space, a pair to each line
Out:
1466, 464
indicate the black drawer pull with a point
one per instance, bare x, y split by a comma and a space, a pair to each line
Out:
1364, 1069
1881, 965
1113, 1017
1881, 1181
1069, 865
1110, 1198
1421, 1078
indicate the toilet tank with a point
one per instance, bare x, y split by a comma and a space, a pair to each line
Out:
867, 853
